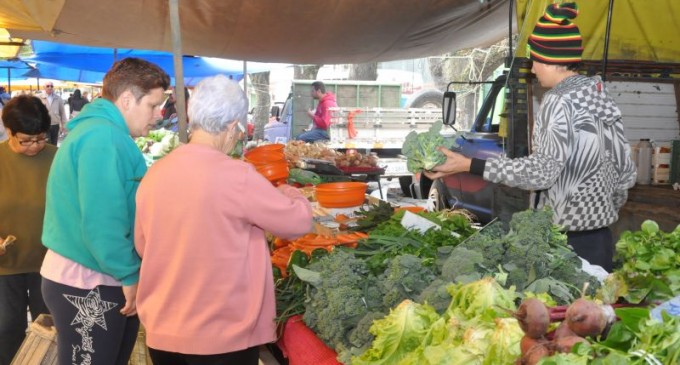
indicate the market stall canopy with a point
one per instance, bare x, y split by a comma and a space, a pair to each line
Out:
301, 31
9, 47
89, 64
646, 30
11, 70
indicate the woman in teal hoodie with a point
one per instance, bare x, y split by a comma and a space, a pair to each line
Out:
91, 269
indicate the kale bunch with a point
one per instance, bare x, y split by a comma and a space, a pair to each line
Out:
421, 148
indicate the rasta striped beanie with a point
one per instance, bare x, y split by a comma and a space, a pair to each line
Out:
555, 39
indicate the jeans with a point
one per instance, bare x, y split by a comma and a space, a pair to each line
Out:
313, 136
53, 134
17, 292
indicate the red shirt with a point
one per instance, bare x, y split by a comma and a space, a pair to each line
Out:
322, 117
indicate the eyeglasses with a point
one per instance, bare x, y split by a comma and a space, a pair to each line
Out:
31, 142
49, 86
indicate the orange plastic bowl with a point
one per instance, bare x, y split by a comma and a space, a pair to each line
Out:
275, 172
340, 194
266, 153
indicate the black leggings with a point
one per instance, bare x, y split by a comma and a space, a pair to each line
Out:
595, 246
90, 328
249, 356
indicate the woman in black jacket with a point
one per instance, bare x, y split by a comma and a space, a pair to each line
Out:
76, 103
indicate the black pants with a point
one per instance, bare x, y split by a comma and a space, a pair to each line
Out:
17, 292
53, 134
90, 328
249, 356
596, 246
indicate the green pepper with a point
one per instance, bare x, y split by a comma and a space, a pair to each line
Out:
298, 258
277, 273
318, 253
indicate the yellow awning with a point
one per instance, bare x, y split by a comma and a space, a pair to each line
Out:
647, 30
9, 47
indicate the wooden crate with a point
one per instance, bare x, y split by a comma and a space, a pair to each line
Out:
40, 346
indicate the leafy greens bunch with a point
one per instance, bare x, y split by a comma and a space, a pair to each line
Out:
651, 264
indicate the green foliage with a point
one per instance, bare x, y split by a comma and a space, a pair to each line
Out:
421, 149
390, 239
651, 264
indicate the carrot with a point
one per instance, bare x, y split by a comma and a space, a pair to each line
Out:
341, 218
280, 242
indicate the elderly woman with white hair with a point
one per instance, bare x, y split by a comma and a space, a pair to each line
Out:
206, 289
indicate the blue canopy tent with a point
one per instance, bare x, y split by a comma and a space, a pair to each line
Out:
89, 64
20, 67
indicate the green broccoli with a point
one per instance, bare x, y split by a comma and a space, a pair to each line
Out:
334, 306
360, 335
421, 148
437, 295
462, 261
404, 278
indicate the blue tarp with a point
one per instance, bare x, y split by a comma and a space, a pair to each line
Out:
12, 70
89, 64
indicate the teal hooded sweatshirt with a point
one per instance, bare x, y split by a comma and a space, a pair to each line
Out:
90, 207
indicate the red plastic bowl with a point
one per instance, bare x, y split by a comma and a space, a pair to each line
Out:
340, 194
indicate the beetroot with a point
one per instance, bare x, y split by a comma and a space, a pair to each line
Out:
533, 318
564, 344
535, 354
528, 343
586, 318
563, 331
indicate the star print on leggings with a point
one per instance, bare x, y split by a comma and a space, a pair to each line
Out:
91, 309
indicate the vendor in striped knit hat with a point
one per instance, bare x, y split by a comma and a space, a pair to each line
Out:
580, 164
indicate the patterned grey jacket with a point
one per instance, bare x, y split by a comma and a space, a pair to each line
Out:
580, 160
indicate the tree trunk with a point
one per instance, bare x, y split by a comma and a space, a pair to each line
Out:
364, 71
260, 84
306, 72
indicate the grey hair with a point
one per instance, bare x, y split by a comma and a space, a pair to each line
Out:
215, 103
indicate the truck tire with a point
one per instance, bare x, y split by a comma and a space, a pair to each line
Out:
436, 193
430, 99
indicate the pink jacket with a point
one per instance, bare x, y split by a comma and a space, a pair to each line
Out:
206, 284
322, 117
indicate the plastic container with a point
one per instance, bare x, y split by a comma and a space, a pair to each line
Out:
644, 162
340, 194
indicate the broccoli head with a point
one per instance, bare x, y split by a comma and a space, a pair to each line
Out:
437, 295
461, 261
421, 150
404, 278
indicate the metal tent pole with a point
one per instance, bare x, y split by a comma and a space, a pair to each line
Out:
179, 70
